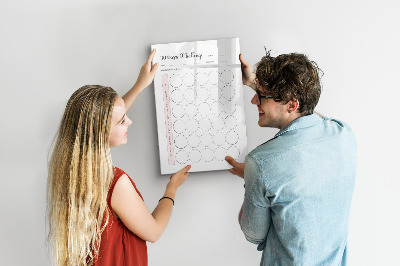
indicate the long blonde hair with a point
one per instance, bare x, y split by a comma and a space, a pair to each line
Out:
80, 174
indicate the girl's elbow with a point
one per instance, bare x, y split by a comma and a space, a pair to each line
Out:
152, 240
150, 233
154, 237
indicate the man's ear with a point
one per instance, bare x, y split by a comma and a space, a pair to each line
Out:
293, 105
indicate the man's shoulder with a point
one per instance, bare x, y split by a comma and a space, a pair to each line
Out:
267, 151
336, 128
294, 140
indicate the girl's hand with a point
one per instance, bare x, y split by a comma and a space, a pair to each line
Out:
179, 178
146, 76
147, 73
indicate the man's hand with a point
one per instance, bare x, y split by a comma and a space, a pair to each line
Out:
248, 75
238, 168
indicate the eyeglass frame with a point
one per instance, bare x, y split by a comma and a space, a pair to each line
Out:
276, 99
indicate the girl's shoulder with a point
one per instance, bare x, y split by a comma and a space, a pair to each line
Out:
118, 172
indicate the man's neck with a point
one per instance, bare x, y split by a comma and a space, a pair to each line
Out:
290, 119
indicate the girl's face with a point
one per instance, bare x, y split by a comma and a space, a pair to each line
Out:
119, 124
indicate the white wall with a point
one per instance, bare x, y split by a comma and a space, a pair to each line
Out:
48, 49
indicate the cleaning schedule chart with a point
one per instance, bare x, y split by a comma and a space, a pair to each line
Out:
199, 105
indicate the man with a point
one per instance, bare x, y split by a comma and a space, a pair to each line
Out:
299, 184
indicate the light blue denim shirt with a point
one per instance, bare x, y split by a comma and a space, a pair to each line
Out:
298, 190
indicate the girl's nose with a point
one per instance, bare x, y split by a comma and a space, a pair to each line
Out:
129, 122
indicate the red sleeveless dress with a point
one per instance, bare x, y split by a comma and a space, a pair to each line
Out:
119, 246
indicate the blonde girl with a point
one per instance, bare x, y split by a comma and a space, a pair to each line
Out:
96, 214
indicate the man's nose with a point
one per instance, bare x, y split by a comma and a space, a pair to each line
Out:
254, 100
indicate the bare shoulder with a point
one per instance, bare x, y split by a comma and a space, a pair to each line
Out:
123, 191
123, 181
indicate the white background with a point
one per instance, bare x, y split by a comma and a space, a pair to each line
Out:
48, 49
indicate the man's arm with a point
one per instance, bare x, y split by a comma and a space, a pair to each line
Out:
254, 216
248, 75
238, 169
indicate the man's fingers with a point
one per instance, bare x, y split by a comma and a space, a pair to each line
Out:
244, 63
231, 161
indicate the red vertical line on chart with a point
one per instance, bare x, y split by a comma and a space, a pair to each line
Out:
168, 120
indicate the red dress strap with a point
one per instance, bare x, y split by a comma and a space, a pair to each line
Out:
119, 246
117, 174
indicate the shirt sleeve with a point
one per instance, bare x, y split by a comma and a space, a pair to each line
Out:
256, 217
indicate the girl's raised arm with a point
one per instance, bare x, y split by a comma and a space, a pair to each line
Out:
145, 78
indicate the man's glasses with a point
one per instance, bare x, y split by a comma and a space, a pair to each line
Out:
276, 99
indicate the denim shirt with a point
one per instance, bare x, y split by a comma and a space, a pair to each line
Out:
298, 191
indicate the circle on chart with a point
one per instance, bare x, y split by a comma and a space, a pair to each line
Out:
226, 76
220, 154
194, 141
175, 81
201, 78
213, 77
192, 125
180, 142
236, 113
205, 124
188, 79
179, 126
212, 146
177, 96
202, 94
214, 94
195, 156
228, 92
178, 111
222, 115
213, 110
189, 95
206, 139
198, 116
185, 118
181, 157
219, 138
230, 123
233, 152
227, 109
208, 155
191, 109
204, 109
222, 106
232, 137
217, 124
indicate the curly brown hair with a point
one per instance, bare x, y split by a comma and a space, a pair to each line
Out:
290, 77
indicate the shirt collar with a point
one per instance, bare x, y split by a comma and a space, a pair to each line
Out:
301, 122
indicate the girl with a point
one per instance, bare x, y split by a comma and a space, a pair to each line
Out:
96, 214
